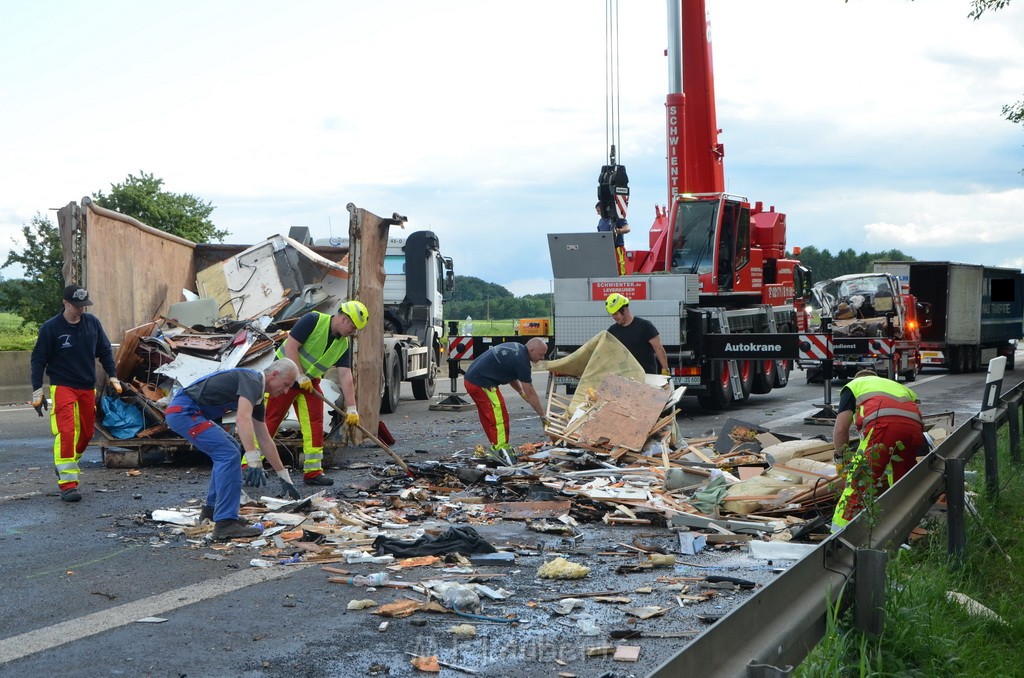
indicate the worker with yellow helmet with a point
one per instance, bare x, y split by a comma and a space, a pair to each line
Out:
636, 334
316, 343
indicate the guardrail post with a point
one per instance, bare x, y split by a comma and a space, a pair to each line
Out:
988, 436
1013, 418
956, 536
987, 417
869, 590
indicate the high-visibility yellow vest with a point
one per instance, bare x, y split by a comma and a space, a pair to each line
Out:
319, 351
879, 397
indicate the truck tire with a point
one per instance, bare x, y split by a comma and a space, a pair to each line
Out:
423, 389
392, 387
915, 369
718, 397
1010, 359
747, 369
952, 355
764, 376
392, 323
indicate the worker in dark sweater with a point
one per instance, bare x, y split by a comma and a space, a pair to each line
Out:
67, 348
636, 334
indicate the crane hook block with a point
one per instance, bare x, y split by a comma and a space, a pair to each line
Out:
613, 191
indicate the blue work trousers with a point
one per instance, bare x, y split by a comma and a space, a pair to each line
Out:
188, 420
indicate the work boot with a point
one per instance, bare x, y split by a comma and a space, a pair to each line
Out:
71, 494
224, 530
319, 479
503, 455
206, 513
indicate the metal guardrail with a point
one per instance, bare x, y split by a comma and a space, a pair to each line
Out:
780, 625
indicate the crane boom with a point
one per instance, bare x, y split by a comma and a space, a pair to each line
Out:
694, 153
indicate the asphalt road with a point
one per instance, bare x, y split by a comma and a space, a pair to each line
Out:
78, 578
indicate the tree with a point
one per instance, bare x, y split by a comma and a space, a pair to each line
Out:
479, 299
10, 292
183, 215
1012, 112
824, 265
40, 294
979, 7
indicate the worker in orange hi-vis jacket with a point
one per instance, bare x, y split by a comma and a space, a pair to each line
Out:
892, 434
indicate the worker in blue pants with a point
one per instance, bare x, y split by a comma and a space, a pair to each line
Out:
192, 414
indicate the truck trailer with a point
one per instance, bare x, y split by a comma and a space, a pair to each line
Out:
973, 313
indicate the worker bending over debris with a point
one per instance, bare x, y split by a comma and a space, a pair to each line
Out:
317, 342
892, 435
640, 336
508, 363
191, 414
67, 348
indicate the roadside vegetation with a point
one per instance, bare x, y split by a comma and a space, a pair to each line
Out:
15, 336
925, 633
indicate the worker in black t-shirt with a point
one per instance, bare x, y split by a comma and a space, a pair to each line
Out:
636, 334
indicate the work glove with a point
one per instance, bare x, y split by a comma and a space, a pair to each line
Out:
254, 475
352, 416
287, 488
665, 373
115, 383
39, 401
305, 383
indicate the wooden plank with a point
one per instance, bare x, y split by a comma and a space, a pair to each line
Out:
126, 360
368, 239
521, 510
628, 411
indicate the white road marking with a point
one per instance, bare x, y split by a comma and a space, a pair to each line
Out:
153, 606
11, 497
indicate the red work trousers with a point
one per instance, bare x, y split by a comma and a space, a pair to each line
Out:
490, 407
888, 440
310, 412
72, 421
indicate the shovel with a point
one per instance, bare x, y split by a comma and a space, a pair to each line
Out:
375, 439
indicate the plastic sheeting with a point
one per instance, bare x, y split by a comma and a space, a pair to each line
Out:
592, 362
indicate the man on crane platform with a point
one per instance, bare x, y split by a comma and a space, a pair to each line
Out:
619, 227
892, 434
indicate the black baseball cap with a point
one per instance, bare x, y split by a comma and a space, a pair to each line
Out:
77, 295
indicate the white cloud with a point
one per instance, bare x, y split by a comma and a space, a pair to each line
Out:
485, 121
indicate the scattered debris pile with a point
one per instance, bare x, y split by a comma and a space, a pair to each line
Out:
244, 307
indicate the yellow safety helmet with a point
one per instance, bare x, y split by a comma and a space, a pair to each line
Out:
357, 312
615, 302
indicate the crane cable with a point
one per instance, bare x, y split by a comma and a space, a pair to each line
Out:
611, 76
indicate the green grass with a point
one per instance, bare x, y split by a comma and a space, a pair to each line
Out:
489, 328
14, 337
927, 635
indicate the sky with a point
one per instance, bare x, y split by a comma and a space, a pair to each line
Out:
873, 124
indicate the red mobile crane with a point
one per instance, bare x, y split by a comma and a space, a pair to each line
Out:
734, 246
716, 264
